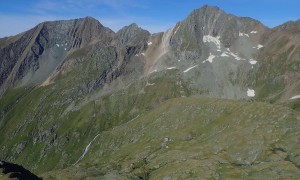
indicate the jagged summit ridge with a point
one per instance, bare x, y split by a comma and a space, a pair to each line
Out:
206, 35
131, 34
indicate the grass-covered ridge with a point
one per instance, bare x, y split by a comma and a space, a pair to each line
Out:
191, 137
48, 127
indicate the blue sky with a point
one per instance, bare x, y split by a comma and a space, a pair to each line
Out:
154, 15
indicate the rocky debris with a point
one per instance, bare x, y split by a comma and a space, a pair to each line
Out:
20, 147
45, 134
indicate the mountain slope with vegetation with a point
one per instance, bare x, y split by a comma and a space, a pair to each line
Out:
215, 96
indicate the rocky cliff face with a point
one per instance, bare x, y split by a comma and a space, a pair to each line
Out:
132, 35
216, 52
227, 54
35, 55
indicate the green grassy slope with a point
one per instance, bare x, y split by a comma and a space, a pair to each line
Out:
191, 138
48, 127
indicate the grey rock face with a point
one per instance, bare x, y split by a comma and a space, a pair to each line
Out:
132, 35
208, 34
291, 25
210, 21
218, 47
34, 57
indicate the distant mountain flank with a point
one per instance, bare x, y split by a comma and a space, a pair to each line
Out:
206, 35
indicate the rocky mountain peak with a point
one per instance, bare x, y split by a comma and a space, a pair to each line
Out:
90, 18
34, 56
132, 26
291, 25
214, 22
206, 9
131, 35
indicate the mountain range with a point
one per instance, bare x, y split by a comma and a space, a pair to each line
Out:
215, 96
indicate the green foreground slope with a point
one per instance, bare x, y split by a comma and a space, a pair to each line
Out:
46, 128
192, 138
144, 128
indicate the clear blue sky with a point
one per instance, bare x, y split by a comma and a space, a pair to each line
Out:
154, 15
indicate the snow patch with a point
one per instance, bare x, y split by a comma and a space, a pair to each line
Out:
149, 43
169, 68
66, 44
252, 61
236, 57
215, 40
143, 54
150, 84
253, 32
243, 34
250, 93
137, 55
295, 97
224, 54
187, 70
176, 29
258, 46
86, 149
210, 58
155, 70
65, 49
57, 45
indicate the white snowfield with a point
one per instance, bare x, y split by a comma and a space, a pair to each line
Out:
176, 29
224, 54
86, 149
149, 43
215, 40
236, 57
250, 93
57, 45
143, 54
210, 58
253, 32
155, 70
243, 34
169, 68
187, 70
252, 61
258, 46
295, 97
